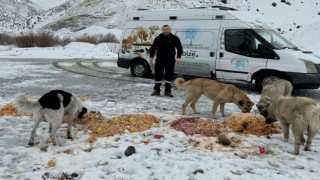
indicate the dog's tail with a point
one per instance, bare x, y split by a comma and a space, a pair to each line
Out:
25, 105
180, 82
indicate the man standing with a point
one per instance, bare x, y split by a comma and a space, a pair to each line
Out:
165, 44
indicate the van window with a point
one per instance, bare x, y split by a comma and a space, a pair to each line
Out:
243, 42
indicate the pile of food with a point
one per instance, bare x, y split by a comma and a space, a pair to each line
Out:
251, 124
196, 125
10, 110
100, 126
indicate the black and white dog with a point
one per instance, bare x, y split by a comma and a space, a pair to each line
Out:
51, 107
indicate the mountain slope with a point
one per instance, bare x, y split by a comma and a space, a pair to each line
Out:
289, 17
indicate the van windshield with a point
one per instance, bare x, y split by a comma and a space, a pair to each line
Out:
276, 40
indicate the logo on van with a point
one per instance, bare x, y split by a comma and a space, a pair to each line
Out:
240, 62
189, 54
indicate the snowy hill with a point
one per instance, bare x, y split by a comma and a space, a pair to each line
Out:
293, 18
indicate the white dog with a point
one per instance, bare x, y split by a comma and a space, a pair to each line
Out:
51, 108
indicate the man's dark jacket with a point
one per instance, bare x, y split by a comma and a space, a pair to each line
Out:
166, 47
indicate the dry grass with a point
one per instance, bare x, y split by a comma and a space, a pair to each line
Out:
6, 39
26, 40
87, 39
109, 38
42, 39
97, 39
48, 39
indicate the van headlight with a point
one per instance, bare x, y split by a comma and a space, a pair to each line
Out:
310, 66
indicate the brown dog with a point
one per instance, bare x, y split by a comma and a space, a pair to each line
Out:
218, 92
302, 113
271, 92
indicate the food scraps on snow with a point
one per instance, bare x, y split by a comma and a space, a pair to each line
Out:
100, 126
251, 124
10, 110
196, 125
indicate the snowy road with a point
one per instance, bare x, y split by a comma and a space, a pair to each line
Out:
85, 76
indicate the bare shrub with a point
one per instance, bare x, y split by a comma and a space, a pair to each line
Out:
65, 41
109, 38
46, 39
87, 39
26, 40
42, 39
6, 39
113, 47
97, 39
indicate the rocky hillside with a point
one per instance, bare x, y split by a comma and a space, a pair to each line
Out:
74, 15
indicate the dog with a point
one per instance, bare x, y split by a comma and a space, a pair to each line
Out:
154, 32
220, 93
302, 113
271, 92
51, 107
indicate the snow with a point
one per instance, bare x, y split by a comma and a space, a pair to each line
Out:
73, 50
47, 4
172, 157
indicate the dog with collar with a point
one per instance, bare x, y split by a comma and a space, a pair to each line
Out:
51, 107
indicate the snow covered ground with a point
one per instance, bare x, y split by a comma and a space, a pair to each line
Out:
172, 157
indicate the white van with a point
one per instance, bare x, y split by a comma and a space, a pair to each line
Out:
221, 43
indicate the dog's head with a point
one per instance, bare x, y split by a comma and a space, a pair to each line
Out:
245, 106
154, 29
82, 112
263, 106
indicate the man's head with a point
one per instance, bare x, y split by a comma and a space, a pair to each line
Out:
166, 30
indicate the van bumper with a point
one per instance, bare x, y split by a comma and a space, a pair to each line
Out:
304, 80
124, 63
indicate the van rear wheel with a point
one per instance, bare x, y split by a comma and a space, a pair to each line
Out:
140, 69
266, 79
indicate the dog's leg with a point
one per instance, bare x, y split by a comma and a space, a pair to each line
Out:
214, 108
194, 102
70, 120
189, 98
50, 127
222, 109
297, 133
53, 133
311, 135
33, 133
285, 130
55, 122
55, 126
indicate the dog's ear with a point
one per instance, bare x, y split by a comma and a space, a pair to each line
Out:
83, 111
241, 103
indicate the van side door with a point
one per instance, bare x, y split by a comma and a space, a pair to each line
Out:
240, 55
199, 52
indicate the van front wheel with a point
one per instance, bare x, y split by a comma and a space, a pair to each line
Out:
266, 79
140, 69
